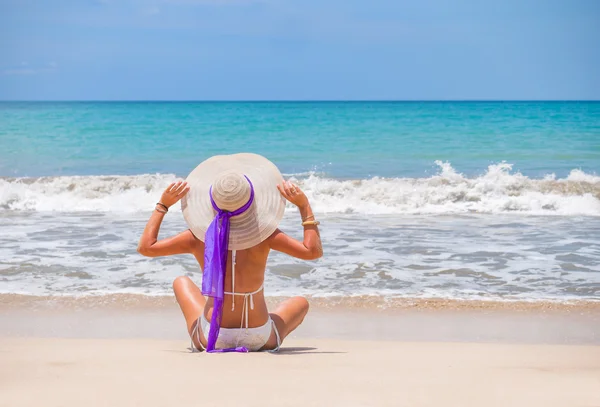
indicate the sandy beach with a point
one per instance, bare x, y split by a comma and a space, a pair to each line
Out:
126, 372
65, 354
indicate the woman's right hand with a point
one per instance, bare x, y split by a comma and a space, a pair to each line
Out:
293, 193
174, 193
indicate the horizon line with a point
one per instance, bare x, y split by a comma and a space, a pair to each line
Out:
285, 100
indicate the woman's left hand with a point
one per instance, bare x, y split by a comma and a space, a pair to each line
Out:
293, 193
174, 193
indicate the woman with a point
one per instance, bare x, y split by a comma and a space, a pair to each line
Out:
233, 205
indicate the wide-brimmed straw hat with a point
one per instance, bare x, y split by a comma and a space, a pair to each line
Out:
230, 191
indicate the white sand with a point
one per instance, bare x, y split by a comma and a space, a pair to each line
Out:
143, 372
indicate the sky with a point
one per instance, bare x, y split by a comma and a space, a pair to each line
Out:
299, 50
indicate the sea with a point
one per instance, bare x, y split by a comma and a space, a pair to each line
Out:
453, 200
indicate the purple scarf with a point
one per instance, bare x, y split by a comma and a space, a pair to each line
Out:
216, 243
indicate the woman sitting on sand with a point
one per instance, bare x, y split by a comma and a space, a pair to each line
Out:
233, 205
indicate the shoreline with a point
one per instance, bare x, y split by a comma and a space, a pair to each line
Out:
363, 302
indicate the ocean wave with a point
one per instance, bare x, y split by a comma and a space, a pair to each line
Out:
497, 190
120, 193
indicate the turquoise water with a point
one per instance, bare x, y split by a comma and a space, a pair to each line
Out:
437, 199
339, 139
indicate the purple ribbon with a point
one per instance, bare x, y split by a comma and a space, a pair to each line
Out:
216, 244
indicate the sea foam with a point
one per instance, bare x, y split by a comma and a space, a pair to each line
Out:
497, 190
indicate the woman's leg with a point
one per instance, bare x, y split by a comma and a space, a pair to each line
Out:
191, 301
287, 316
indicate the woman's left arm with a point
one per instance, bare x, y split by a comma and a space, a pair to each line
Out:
149, 244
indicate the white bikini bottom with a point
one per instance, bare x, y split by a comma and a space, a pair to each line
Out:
252, 338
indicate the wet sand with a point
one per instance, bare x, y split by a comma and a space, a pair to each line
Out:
136, 316
360, 302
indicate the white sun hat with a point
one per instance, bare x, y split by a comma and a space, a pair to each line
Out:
230, 191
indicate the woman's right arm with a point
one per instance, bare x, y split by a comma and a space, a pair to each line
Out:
184, 242
310, 248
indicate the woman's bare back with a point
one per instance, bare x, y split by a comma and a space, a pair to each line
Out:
249, 277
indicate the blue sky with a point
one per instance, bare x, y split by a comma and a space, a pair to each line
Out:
299, 50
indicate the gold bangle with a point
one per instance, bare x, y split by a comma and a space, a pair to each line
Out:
311, 223
307, 218
160, 210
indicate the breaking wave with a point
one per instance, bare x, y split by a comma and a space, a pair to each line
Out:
498, 190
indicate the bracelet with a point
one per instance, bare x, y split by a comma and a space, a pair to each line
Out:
307, 218
160, 210
163, 205
311, 223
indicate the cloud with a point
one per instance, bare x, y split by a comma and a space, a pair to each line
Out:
25, 70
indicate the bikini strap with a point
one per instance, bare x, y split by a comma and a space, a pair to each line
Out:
277, 336
233, 252
233, 261
196, 332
